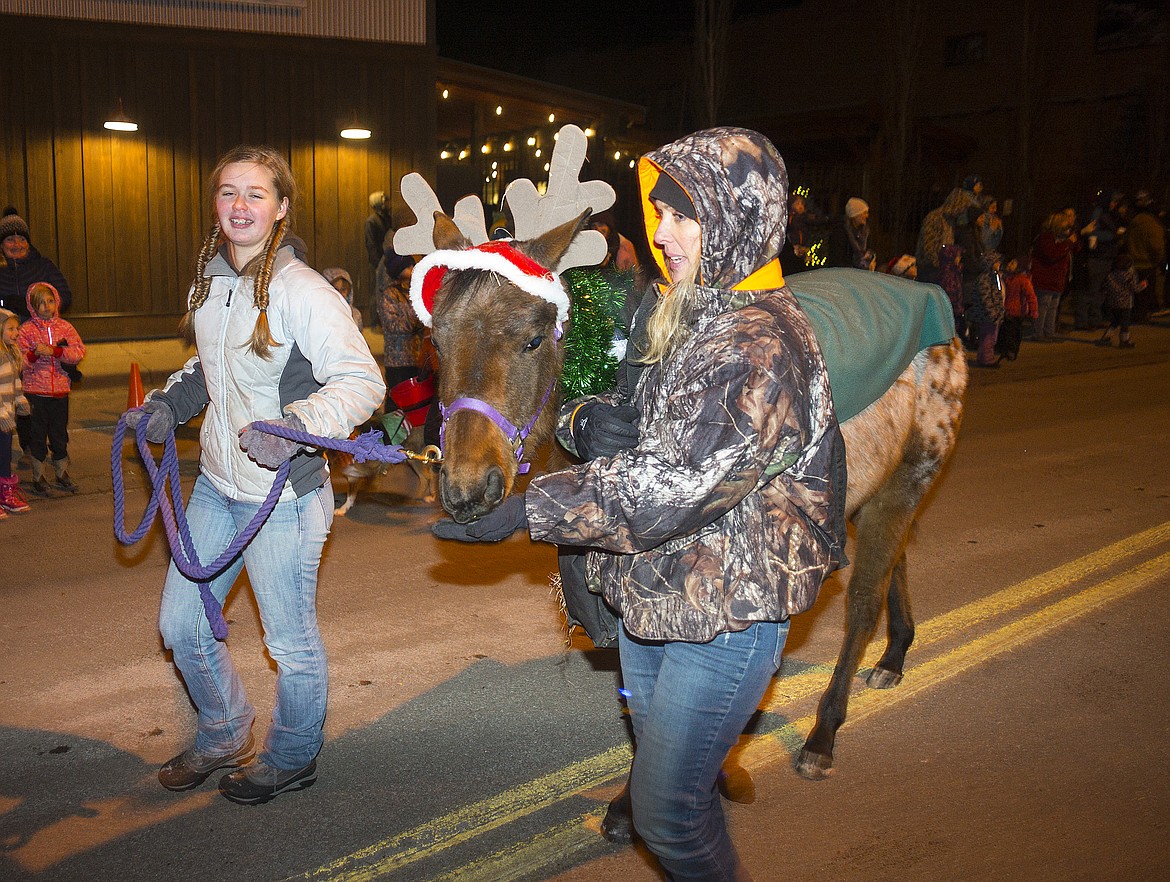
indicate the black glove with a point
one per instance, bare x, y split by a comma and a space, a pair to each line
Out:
601, 430
497, 524
160, 420
271, 451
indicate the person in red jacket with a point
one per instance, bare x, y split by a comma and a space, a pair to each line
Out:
1051, 263
48, 342
1019, 303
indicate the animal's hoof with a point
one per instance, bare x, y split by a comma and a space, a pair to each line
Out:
618, 824
880, 678
814, 766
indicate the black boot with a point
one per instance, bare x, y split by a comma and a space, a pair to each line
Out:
618, 824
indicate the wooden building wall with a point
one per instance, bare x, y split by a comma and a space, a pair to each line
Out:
122, 213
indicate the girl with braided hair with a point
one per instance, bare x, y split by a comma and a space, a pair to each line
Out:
274, 343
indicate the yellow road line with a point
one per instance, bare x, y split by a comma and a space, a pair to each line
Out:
814, 681
521, 859
476, 819
470, 821
932, 672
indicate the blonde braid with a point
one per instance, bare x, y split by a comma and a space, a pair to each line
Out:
202, 285
262, 342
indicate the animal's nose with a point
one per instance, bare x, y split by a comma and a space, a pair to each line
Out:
466, 503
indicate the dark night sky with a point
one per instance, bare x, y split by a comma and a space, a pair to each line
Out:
508, 35
515, 35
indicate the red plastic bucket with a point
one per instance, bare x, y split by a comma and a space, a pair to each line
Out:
413, 397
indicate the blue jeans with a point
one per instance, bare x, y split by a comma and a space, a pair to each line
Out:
282, 562
689, 703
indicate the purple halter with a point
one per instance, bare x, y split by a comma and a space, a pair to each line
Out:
516, 437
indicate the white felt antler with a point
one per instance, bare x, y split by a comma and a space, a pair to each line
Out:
565, 198
469, 217
419, 238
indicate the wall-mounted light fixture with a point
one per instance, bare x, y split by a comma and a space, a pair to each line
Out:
355, 131
120, 122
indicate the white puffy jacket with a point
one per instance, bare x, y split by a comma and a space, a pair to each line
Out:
321, 370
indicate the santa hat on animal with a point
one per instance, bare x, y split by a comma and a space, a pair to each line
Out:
565, 198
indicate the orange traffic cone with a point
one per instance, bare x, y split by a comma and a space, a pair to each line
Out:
136, 396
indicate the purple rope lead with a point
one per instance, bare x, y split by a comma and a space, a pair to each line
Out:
366, 447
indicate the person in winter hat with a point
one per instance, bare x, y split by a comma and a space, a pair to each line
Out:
273, 343
340, 279
48, 343
22, 264
849, 239
732, 387
378, 224
12, 403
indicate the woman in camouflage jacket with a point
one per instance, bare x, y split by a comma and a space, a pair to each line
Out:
723, 519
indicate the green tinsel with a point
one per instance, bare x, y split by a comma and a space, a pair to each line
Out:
597, 298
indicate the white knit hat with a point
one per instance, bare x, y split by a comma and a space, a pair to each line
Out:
855, 206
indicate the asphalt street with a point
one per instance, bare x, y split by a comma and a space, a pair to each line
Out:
468, 737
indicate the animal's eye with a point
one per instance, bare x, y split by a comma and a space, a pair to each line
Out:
534, 343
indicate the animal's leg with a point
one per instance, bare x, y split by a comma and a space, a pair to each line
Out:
882, 525
428, 477
888, 672
351, 492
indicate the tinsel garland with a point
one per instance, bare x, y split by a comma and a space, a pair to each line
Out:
597, 298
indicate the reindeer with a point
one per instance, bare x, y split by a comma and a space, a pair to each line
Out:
501, 361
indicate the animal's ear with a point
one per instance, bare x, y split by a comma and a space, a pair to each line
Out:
447, 236
548, 248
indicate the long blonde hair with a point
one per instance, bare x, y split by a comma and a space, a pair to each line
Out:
260, 268
10, 350
669, 325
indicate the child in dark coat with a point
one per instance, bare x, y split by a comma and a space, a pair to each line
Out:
1121, 287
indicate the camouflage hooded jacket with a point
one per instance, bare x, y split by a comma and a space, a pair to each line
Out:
722, 515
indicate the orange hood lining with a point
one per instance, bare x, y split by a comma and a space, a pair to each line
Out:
765, 278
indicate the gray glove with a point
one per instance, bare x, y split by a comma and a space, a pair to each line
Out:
497, 524
267, 450
160, 420
22, 408
7, 426
601, 430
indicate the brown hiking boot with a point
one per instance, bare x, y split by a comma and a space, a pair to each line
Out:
192, 767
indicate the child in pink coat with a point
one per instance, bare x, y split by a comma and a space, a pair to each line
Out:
12, 404
48, 342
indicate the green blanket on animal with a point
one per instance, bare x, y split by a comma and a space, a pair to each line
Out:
870, 327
